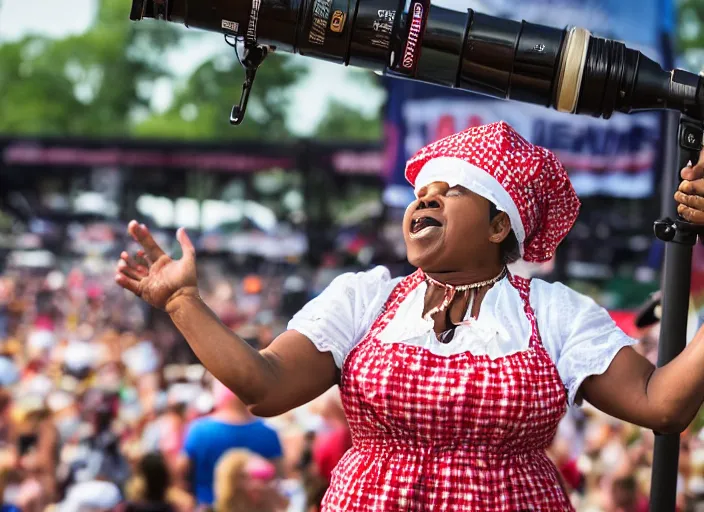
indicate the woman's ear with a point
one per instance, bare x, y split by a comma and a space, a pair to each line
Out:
499, 228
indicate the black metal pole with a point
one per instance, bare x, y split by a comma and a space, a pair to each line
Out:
670, 157
680, 238
675, 304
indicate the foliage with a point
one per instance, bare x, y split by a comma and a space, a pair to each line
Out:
343, 122
102, 82
86, 84
201, 106
691, 33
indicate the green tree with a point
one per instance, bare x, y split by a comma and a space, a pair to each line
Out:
102, 82
691, 33
86, 84
202, 104
343, 122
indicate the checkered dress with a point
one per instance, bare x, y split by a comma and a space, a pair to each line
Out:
459, 433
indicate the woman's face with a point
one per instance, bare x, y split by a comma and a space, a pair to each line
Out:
449, 230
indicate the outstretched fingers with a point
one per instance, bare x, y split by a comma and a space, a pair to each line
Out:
187, 247
127, 282
124, 268
142, 259
141, 234
136, 265
130, 272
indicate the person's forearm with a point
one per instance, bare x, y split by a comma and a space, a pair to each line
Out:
677, 389
230, 359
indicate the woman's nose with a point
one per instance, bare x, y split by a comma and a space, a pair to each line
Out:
428, 198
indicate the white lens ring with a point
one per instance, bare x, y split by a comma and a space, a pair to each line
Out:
574, 57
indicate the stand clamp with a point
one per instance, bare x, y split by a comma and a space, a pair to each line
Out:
677, 231
253, 57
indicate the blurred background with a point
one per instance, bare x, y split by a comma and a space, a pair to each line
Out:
102, 404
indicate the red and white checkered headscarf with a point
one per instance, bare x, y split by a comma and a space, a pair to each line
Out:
523, 180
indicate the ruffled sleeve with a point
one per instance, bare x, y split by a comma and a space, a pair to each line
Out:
580, 336
336, 320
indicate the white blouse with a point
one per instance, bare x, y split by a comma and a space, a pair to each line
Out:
578, 334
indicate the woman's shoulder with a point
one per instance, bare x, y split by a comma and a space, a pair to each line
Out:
364, 285
540, 285
556, 293
375, 275
337, 318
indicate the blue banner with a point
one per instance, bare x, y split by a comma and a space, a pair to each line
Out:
615, 157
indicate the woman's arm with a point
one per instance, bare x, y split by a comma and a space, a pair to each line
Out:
289, 373
665, 399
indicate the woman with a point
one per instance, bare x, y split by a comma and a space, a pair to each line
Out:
246, 482
454, 378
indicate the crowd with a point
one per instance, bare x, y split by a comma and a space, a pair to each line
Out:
104, 407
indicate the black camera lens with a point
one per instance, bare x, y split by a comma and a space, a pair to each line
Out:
566, 69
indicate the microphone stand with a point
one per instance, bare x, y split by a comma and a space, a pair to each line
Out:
683, 144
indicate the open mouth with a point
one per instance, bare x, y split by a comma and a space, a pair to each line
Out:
419, 224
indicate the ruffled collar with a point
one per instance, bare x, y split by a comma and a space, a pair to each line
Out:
455, 301
501, 328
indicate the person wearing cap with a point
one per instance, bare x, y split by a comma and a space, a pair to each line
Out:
647, 321
650, 312
453, 378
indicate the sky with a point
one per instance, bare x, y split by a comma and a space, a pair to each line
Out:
59, 18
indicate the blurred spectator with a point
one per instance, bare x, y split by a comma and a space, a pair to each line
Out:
335, 437
5, 471
230, 426
6, 426
37, 448
625, 497
6, 292
66, 414
245, 482
100, 455
648, 321
93, 496
150, 490
324, 446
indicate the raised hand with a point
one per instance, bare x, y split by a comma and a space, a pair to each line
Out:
154, 276
690, 194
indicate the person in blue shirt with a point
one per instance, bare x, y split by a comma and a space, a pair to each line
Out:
230, 426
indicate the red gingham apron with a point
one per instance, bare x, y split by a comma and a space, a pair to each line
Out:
458, 433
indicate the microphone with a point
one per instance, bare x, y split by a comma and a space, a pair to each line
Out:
567, 69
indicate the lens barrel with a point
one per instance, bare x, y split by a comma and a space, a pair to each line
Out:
569, 70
